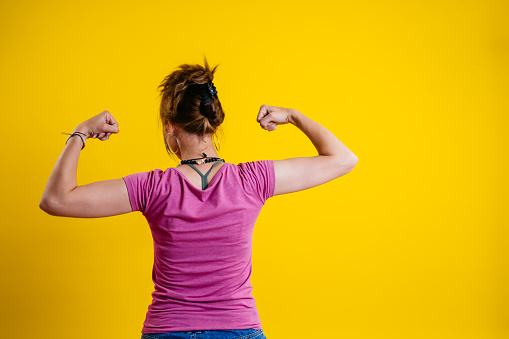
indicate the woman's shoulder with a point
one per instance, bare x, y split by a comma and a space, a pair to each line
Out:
256, 169
258, 177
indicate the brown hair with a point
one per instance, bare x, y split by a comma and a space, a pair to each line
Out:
187, 102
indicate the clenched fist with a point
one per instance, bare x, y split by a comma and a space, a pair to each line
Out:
100, 126
270, 117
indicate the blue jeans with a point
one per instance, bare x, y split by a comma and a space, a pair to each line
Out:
209, 334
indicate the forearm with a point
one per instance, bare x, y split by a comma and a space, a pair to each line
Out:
325, 142
63, 177
63, 197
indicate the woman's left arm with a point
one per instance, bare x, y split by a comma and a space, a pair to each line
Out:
62, 195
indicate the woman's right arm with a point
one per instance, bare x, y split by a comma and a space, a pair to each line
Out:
334, 159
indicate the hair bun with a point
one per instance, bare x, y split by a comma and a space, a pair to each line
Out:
189, 99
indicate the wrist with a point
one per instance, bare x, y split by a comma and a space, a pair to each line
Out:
293, 116
83, 131
76, 138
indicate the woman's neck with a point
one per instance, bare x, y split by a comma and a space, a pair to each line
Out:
194, 153
193, 147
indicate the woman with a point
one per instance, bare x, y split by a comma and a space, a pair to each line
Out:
202, 224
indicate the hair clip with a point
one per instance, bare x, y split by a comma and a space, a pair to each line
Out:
212, 89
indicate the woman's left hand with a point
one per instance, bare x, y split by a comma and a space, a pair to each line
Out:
100, 126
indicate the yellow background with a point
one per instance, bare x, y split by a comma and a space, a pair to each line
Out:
413, 243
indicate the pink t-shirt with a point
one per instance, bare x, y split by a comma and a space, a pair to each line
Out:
202, 245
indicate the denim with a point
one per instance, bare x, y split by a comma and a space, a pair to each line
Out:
208, 334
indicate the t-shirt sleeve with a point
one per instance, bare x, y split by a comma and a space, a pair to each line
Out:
141, 188
259, 178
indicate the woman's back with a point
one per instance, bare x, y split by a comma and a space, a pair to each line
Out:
202, 245
202, 227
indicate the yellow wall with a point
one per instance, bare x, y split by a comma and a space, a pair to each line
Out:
412, 244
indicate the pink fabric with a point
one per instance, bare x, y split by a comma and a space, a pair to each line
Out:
202, 245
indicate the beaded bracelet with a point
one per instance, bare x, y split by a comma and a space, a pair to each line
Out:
78, 134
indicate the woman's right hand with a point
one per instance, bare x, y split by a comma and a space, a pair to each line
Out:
270, 116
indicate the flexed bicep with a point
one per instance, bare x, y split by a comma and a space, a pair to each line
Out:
98, 199
297, 174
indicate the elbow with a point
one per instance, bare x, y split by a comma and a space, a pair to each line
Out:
49, 205
349, 160
346, 164
353, 160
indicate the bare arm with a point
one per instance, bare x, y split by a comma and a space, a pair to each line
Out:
62, 195
334, 159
